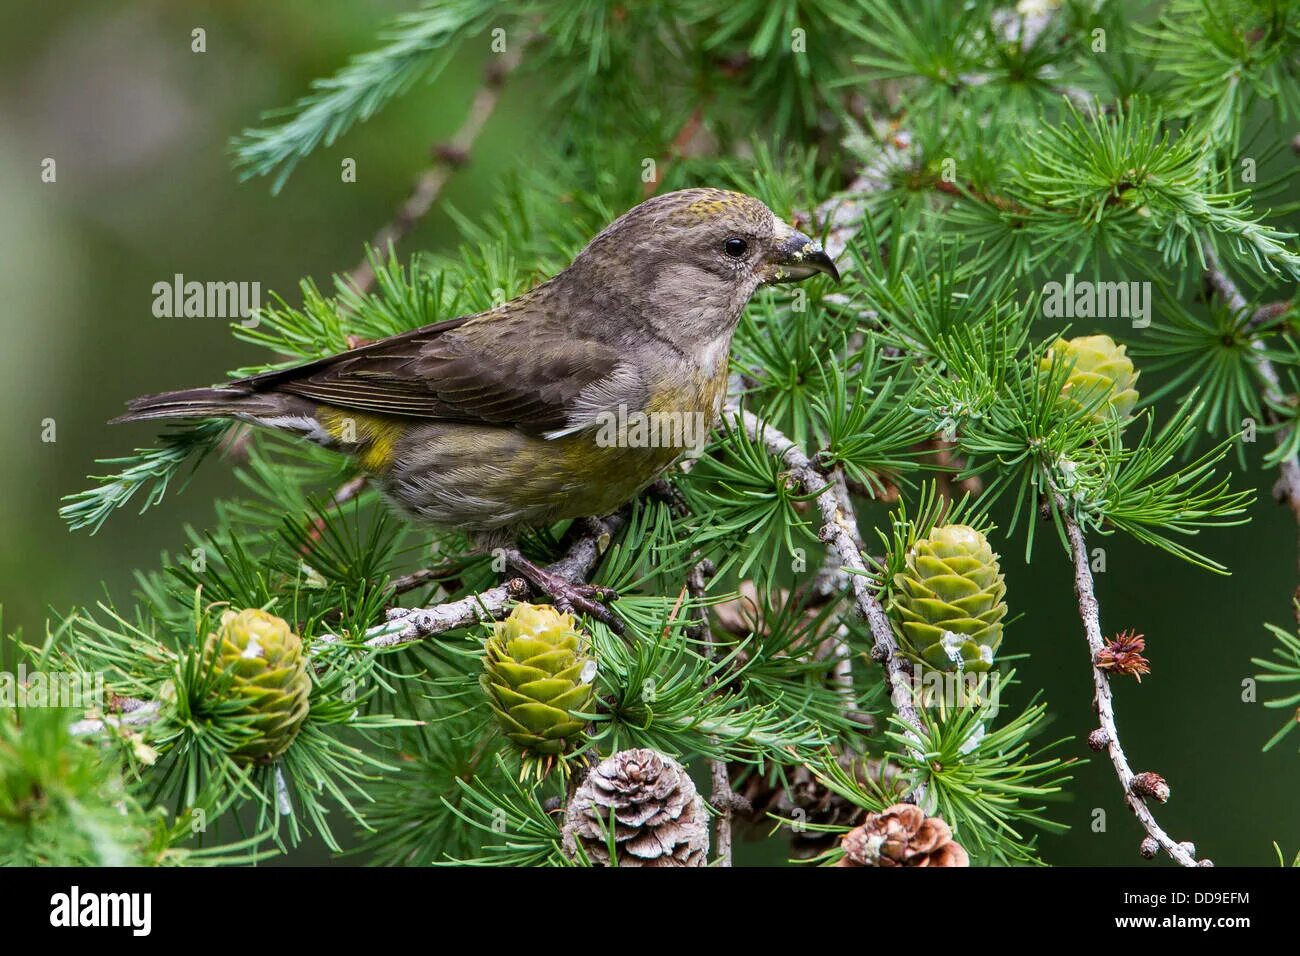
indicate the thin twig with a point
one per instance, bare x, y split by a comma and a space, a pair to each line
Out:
131, 713
419, 578
448, 158
1287, 488
727, 802
416, 579
842, 217
1221, 282
723, 798
405, 625
833, 580
962, 190
1090, 615
839, 532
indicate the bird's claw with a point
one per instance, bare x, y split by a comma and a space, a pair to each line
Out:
566, 595
587, 599
663, 490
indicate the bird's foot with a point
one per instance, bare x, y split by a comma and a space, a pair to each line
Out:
661, 489
567, 595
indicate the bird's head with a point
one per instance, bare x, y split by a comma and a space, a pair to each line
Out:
697, 255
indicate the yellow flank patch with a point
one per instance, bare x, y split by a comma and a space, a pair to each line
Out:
696, 393
371, 438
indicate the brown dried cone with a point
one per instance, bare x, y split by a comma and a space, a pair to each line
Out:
658, 818
902, 835
809, 803
1150, 784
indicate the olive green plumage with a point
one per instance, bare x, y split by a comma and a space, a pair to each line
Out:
1101, 370
257, 659
949, 601
536, 676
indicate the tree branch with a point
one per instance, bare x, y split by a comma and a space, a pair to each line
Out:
447, 572
131, 713
839, 532
833, 580
405, 625
448, 158
1287, 488
1108, 737
723, 798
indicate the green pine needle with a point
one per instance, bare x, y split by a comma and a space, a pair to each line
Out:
417, 46
150, 470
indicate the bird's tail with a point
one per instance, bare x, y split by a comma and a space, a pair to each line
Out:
218, 402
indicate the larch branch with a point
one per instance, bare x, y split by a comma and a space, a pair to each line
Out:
839, 532
1090, 615
448, 158
405, 625
1287, 488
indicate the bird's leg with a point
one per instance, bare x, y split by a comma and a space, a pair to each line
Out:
565, 594
661, 489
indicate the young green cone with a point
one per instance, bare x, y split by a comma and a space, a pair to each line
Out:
1101, 368
534, 676
949, 601
259, 660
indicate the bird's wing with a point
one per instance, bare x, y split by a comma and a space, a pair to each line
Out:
542, 382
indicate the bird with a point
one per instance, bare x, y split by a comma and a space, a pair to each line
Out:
536, 411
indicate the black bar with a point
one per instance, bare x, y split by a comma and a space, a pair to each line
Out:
304, 904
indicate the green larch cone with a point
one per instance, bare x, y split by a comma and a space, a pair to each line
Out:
536, 674
260, 660
949, 602
1101, 368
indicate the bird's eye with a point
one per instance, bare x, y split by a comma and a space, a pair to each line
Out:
735, 247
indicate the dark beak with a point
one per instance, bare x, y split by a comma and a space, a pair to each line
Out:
796, 257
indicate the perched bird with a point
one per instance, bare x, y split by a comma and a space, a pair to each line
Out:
535, 411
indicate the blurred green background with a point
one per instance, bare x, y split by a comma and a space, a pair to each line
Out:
138, 126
